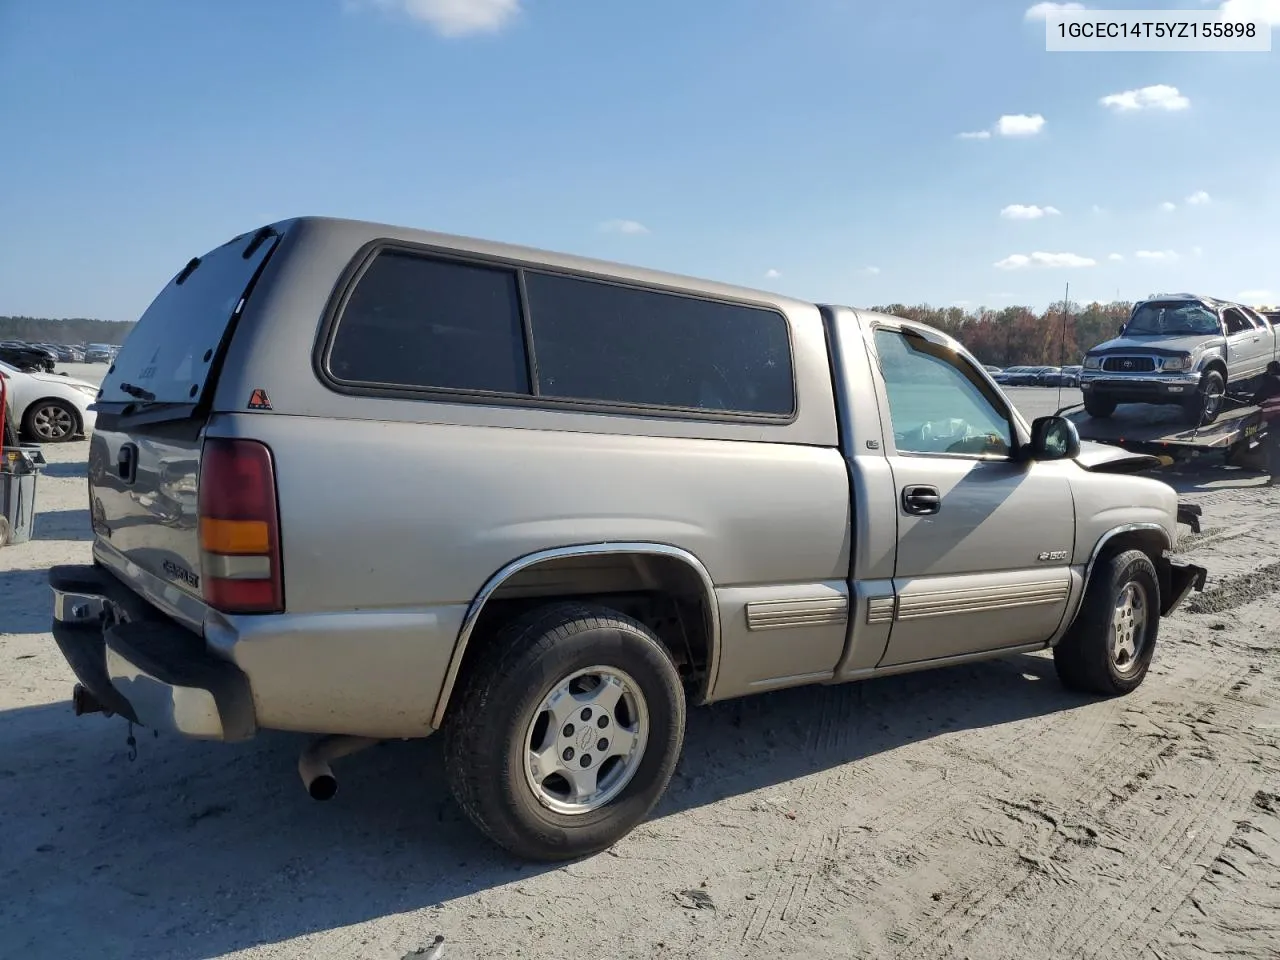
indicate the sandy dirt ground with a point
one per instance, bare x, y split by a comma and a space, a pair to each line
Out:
977, 812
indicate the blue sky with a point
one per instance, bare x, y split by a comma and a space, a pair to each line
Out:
808, 146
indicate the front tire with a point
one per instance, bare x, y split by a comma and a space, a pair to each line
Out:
51, 421
1109, 647
1205, 405
566, 732
1099, 406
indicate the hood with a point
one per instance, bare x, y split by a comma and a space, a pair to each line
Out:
1104, 458
62, 378
1160, 346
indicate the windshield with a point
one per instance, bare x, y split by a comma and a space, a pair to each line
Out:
167, 356
1174, 318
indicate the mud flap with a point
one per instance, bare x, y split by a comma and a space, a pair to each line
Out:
1183, 577
1189, 513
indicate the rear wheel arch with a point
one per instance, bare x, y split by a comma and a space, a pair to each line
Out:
616, 575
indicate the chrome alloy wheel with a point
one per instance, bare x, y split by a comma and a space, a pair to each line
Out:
586, 740
52, 421
1129, 627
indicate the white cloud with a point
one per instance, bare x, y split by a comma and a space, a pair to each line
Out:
1168, 207
1266, 11
1019, 211
1019, 125
451, 18
1198, 198
629, 227
1157, 256
870, 271
1041, 11
1016, 261
772, 274
1116, 257
1196, 251
1255, 296
961, 303
1098, 211
1158, 97
1009, 125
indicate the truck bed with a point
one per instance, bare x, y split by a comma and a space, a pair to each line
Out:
1143, 427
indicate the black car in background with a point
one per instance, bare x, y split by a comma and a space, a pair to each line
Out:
27, 357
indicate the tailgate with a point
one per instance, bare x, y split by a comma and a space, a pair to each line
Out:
144, 456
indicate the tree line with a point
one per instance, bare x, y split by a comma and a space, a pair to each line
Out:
1059, 336
73, 330
1015, 335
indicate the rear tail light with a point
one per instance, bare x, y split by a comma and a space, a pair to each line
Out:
239, 528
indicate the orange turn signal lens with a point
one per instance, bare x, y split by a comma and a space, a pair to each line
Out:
234, 536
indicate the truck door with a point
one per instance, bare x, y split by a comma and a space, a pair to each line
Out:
1249, 350
984, 538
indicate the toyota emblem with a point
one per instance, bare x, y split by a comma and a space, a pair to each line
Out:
1128, 364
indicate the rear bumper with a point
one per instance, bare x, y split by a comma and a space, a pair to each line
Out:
139, 664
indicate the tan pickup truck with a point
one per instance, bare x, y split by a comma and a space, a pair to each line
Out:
369, 482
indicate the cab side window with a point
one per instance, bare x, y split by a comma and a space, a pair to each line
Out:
938, 402
1236, 322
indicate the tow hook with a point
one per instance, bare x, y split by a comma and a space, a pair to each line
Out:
313, 765
83, 702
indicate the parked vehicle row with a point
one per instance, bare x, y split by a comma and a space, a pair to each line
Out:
44, 356
642, 490
1036, 376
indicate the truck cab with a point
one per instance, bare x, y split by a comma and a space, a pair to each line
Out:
369, 482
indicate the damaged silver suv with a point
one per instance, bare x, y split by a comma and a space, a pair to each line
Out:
1179, 349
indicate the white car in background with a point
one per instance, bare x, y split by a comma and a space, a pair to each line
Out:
47, 407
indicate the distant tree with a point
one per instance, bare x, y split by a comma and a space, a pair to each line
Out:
75, 330
1017, 335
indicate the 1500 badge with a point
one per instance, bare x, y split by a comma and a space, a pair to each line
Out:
1051, 555
181, 573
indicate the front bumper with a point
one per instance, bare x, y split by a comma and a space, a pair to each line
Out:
1182, 578
1140, 386
137, 663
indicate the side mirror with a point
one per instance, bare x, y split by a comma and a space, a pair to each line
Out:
1120, 332
1054, 438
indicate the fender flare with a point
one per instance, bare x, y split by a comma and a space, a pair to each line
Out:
494, 582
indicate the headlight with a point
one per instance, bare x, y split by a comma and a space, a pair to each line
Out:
1176, 363
88, 391
1092, 363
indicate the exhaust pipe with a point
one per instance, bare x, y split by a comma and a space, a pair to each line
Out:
313, 765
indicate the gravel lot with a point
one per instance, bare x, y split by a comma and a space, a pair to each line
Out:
975, 812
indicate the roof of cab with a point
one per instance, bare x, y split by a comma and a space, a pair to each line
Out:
361, 232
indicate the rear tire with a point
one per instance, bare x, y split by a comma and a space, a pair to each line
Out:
1108, 649
1205, 405
529, 748
1099, 405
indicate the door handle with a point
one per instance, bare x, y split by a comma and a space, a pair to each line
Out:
921, 500
127, 463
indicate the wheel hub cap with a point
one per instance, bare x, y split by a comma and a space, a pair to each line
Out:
1128, 627
52, 423
585, 740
